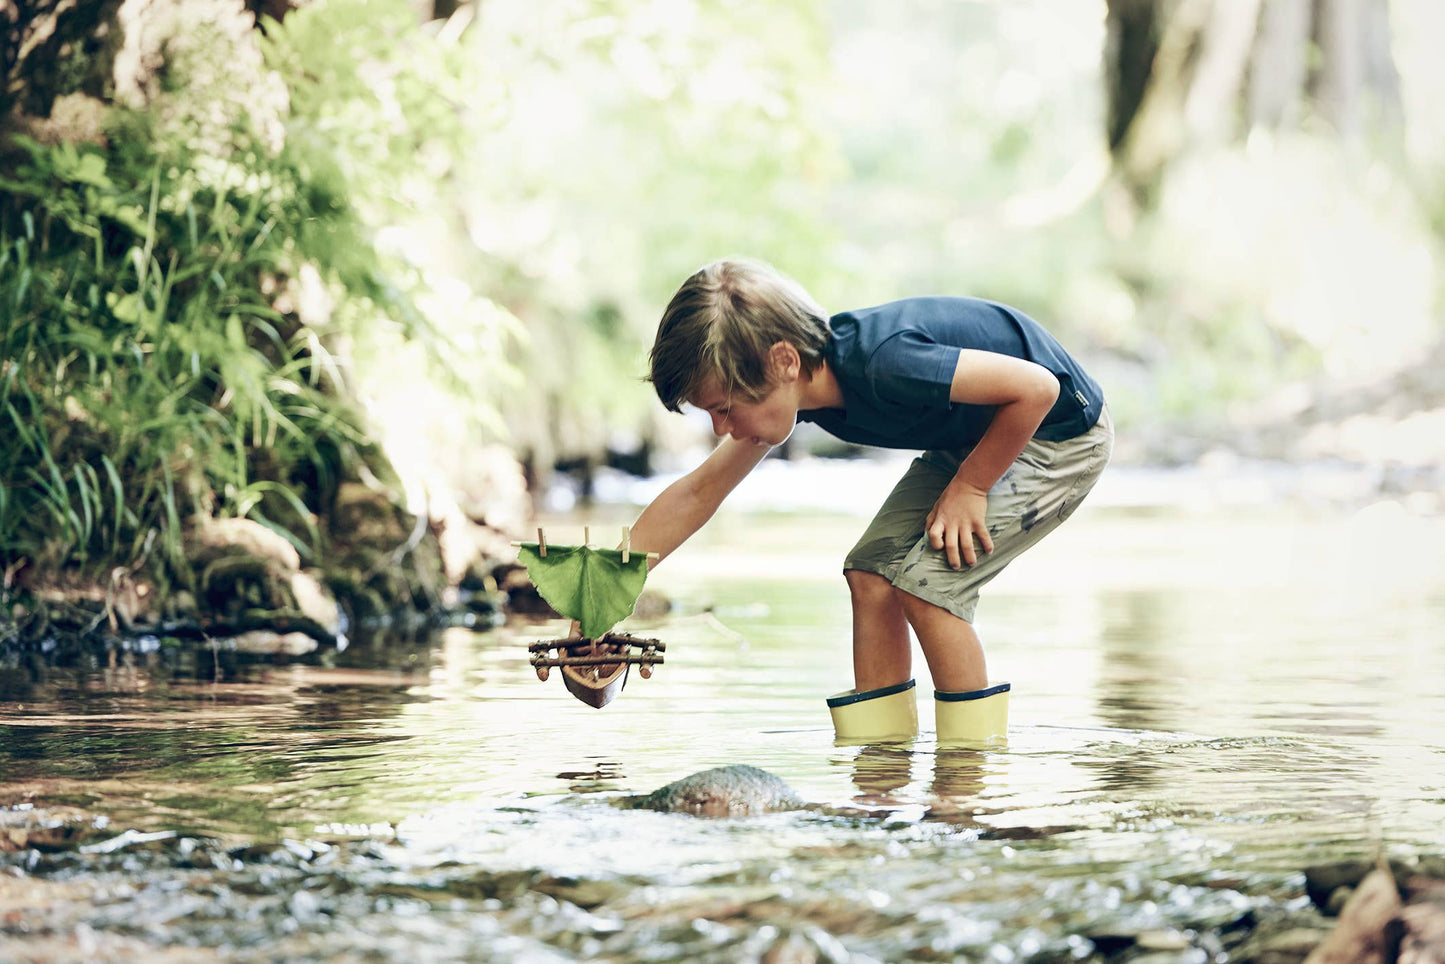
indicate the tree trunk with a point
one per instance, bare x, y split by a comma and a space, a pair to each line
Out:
1157, 133
1278, 68
1341, 72
1183, 74
1132, 40
1357, 86
1211, 108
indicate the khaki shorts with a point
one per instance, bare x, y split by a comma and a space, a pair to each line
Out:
1039, 491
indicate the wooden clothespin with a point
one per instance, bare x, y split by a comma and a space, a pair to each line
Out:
626, 544
541, 543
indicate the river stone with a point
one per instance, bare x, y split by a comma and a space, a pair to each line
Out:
1323, 880
791, 949
1189, 955
1424, 938
1290, 945
265, 642
1364, 934
210, 539
24, 827
730, 791
1162, 940
315, 602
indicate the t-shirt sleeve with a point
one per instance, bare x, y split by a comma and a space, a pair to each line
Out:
909, 368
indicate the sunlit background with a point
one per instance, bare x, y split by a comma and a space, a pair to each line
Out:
295, 265
472, 214
1251, 268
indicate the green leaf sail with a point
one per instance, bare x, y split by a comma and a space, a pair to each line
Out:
593, 586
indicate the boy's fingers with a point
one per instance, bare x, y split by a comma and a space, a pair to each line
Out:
966, 544
950, 542
985, 540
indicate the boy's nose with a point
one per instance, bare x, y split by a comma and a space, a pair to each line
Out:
719, 425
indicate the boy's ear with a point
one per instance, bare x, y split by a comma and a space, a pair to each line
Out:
784, 360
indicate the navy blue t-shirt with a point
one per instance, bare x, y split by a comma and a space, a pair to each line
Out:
895, 364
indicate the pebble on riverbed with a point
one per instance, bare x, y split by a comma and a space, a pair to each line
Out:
50, 828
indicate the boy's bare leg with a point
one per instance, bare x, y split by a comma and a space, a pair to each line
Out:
882, 653
951, 647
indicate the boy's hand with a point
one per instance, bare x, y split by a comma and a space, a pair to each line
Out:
957, 517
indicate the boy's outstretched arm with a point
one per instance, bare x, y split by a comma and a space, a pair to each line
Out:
682, 508
1023, 393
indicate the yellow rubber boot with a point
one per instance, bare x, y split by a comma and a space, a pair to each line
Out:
888, 714
974, 716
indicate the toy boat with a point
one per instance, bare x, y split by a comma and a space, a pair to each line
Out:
595, 670
595, 588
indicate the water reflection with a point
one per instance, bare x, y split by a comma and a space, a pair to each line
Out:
1142, 656
956, 775
606, 777
881, 769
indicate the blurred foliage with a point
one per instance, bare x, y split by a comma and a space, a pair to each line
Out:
876, 152
636, 141
360, 228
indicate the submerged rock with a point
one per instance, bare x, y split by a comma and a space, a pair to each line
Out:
730, 791
27, 827
1334, 882
265, 642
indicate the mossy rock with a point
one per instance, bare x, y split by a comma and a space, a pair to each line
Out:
731, 791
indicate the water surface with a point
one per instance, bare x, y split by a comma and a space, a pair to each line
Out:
1204, 703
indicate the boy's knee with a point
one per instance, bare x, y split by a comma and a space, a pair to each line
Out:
869, 587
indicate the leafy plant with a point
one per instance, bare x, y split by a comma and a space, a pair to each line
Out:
154, 364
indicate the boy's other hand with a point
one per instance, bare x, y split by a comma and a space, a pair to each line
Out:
957, 517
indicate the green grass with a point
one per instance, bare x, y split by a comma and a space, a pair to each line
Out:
145, 377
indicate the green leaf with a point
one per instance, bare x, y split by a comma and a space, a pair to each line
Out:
118, 490
125, 307
91, 170
592, 586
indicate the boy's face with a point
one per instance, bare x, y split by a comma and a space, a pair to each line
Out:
768, 421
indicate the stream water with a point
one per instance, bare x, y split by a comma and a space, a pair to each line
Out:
1204, 703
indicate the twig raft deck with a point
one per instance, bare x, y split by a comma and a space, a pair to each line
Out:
542, 546
595, 671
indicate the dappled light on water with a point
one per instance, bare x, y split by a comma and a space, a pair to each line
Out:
1183, 743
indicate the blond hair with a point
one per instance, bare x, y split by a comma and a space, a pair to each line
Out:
723, 321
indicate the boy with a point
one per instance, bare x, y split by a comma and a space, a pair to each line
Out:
1015, 434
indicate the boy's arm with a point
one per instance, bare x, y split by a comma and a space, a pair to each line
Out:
681, 508
1023, 393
